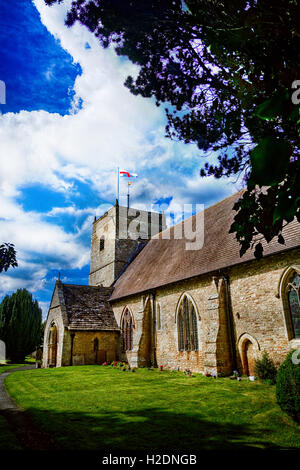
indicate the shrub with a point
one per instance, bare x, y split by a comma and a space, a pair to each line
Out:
265, 369
20, 324
288, 387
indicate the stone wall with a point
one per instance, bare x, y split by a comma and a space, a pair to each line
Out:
167, 353
123, 231
235, 306
55, 318
84, 347
75, 347
257, 309
136, 308
102, 270
240, 311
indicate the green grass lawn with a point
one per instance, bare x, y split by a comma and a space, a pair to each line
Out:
97, 407
6, 367
30, 360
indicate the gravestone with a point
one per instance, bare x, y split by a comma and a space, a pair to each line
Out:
2, 352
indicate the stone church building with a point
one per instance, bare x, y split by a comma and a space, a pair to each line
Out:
152, 301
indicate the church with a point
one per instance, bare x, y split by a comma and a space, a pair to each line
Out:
156, 297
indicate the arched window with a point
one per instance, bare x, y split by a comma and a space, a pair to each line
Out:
187, 326
101, 246
127, 331
293, 300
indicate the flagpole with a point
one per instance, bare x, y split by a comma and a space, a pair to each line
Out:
118, 185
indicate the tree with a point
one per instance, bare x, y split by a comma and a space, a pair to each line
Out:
7, 256
226, 70
288, 386
265, 369
20, 324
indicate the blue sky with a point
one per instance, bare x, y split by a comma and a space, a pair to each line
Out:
67, 124
38, 72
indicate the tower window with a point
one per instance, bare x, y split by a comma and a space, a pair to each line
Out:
101, 246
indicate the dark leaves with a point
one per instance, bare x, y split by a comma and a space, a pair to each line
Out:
7, 256
269, 161
273, 107
225, 69
258, 252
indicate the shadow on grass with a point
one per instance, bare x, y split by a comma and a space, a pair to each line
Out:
148, 429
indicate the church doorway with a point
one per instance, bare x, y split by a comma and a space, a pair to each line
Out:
52, 346
249, 358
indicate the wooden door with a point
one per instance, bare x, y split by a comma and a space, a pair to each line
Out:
101, 356
249, 358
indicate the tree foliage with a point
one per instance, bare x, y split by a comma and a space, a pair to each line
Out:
7, 256
226, 71
288, 386
265, 369
20, 324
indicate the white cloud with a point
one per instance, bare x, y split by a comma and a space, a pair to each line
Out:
73, 211
48, 244
113, 128
45, 307
31, 234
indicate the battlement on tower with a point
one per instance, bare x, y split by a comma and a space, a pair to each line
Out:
116, 236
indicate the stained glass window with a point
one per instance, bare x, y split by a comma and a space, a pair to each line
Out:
180, 333
195, 345
187, 326
294, 303
127, 332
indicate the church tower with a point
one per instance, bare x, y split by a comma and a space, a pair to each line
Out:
118, 235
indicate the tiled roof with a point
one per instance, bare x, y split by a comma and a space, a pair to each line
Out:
164, 261
88, 307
